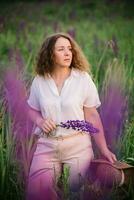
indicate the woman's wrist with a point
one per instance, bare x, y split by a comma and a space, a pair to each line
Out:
102, 148
39, 121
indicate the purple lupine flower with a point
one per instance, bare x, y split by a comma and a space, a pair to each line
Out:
16, 98
79, 125
16, 104
114, 104
72, 32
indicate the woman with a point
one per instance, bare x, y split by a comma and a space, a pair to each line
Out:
62, 90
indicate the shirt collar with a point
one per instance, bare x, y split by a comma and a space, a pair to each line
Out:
74, 72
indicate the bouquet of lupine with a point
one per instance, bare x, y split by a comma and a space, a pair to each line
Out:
79, 125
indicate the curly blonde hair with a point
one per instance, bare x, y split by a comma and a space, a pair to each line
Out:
45, 57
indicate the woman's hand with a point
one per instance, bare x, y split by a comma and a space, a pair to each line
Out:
109, 155
47, 125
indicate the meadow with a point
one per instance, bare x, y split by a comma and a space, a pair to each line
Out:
104, 31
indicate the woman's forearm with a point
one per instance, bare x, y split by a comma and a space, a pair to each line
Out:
35, 116
99, 137
93, 117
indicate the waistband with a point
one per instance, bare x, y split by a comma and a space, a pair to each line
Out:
62, 137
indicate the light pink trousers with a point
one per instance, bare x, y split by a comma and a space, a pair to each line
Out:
50, 156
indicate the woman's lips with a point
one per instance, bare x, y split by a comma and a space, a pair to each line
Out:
66, 59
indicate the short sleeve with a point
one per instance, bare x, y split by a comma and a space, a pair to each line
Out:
33, 100
91, 98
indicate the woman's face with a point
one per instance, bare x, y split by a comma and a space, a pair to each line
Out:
62, 52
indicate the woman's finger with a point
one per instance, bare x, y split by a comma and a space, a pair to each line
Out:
48, 125
52, 124
110, 159
114, 157
46, 130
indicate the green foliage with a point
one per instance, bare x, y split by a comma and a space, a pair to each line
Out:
126, 145
104, 32
11, 182
63, 183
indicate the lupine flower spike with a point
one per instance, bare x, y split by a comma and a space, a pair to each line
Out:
79, 125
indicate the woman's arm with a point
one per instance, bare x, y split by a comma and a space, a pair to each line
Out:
47, 125
92, 115
35, 116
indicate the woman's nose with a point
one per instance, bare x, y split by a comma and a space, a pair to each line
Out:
66, 52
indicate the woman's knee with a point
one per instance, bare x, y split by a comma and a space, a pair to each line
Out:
41, 188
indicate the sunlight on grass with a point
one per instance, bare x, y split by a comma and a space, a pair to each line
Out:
106, 38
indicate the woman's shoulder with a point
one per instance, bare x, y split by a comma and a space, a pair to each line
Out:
82, 74
36, 80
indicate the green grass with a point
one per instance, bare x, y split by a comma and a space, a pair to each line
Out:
11, 181
97, 27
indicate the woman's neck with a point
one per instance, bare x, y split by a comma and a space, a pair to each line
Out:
61, 74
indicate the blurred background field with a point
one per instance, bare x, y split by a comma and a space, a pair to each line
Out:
105, 31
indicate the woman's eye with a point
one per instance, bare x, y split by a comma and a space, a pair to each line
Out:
63, 49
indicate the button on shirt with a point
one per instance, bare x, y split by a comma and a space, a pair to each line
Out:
78, 91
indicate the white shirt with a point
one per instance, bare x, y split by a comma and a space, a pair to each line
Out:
78, 90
